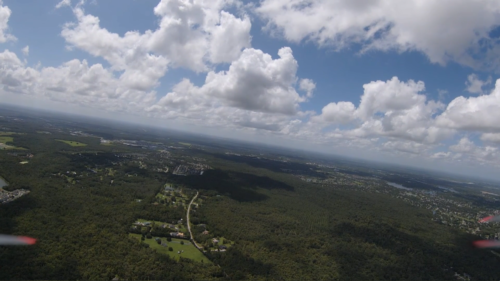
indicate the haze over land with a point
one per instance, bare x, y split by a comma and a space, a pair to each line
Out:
408, 82
114, 201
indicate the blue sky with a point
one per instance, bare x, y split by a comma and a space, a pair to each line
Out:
213, 66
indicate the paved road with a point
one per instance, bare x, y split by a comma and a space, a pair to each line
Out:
191, 234
189, 224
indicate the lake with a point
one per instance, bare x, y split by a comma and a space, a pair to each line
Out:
3, 182
397, 185
448, 189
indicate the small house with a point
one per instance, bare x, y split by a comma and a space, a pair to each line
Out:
177, 234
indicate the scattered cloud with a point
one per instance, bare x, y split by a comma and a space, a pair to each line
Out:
337, 113
392, 109
63, 3
73, 82
467, 150
491, 137
442, 94
191, 34
308, 86
26, 51
256, 82
475, 85
255, 92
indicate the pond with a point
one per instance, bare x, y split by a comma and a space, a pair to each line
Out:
398, 186
3, 182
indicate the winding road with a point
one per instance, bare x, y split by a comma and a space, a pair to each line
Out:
189, 223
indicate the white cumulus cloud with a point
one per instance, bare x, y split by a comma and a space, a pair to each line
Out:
478, 114
308, 86
74, 81
257, 82
191, 34
256, 92
446, 30
5, 13
392, 109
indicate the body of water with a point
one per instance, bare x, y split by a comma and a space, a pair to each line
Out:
3, 182
448, 189
397, 185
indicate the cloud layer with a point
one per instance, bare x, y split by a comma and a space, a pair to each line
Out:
246, 89
447, 30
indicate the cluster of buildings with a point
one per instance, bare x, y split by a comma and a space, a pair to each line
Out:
459, 214
192, 169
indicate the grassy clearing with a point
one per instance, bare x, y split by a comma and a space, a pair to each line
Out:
185, 143
73, 143
156, 222
5, 140
190, 251
70, 179
182, 227
162, 196
7, 133
111, 172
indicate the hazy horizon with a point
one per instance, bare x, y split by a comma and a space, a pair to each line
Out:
327, 155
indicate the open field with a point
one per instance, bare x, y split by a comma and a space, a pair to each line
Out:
73, 143
151, 221
182, 229
5, 140
185, 143
190, 251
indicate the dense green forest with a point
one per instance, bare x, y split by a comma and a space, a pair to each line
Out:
282, 228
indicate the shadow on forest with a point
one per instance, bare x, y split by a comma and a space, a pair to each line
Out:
17, 254
13, 209
238, 186
275, 166
382, 251
237, 265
